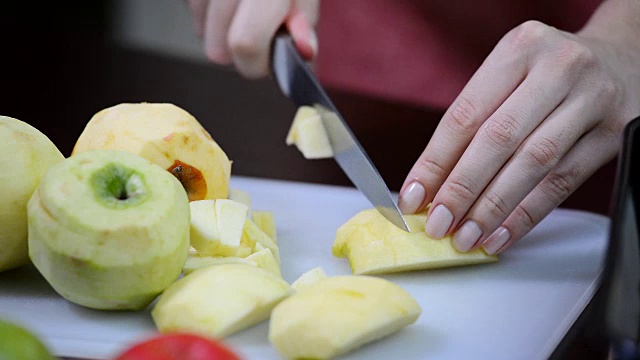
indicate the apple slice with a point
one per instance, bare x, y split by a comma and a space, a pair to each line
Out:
240, 196
374, 245
220, 300
195, 262
309, 278
257, 236
265, 259
339, 314
309, 135
266, 223
216, 228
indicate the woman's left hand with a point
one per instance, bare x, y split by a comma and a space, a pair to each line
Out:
544, 111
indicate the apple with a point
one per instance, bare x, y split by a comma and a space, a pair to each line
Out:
240, 196
339, 314
167, 136
179, 346
308, 134
195, 262
266, 222
109, 229
309, 278
217, 227
218, 301
374, 245
18, 343
252, 234
25, 155
265, 260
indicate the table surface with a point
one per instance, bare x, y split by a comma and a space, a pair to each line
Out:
519, 307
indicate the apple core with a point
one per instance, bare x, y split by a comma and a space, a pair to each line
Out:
117, 186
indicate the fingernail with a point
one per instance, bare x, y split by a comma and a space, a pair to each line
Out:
497, 240
411, 198
466, 236
439, 222
313, 42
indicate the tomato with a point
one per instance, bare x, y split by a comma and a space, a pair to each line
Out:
178, 346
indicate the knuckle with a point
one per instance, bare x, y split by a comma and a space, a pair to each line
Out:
542, 152
525, 217
464, 114
432, 167
572, 54
528, 34
461, 188
496, 206
559, 185
502, 131
245, 46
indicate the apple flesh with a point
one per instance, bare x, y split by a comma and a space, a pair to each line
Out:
339, 314
108, 229
240, 196
195, 262
217, 226
167, 136
266, 222
25, 155
308, 134
309, 278
220, 300
265, 260
374, 245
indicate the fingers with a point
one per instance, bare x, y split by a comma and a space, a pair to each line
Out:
594, 149
489, 87
219, 16
254, 25
199, 12
532, 162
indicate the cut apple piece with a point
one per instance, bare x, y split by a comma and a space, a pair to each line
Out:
309, 278
195, 262
258, 247
216, 228
309, 135
257, 236
338, 315
218, 301
374, 245
266, 223
265, 259
240, 196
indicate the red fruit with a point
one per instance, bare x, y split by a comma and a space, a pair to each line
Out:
178, 347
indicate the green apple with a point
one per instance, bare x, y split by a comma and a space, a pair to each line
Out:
374, 245
309, 278
339, 314
109, 229
25, 155
219, 300
308, 134
18, 343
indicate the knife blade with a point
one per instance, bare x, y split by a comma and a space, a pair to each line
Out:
298, 83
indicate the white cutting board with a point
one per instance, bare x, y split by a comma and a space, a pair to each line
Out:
517, 308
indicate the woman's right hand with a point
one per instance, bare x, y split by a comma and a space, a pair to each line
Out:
240, 32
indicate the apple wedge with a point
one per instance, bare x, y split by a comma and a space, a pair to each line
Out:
309, 278
374, 245
195, 262
240, 196
339, 314
266, 223
254, 235
265, 260
216, 227
220, 300
308, 134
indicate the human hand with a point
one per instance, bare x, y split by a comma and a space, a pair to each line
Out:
239, 32
544, 111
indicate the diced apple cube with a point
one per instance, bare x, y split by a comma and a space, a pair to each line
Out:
309, 135
309, 278
253, 232
230, 216
204, 226
266, 223
240, 196
265, 259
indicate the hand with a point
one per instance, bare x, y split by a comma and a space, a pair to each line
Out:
544, 111
240, 31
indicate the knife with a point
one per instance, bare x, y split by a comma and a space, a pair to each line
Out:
298, 83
